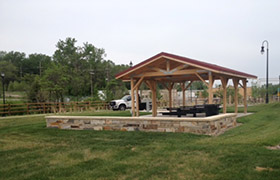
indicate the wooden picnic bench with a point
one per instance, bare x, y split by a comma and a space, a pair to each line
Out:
208, 109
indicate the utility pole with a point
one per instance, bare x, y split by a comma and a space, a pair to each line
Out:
40, 67
91, 83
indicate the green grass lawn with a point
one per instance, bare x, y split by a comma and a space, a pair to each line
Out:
29, 150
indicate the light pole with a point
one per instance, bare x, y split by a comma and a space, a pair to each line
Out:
3, 77
279, 90
262, 51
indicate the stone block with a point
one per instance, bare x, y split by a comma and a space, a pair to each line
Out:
65, 126
150, 126
166, 125
70, 121
107, 128
86, 121
97, 122
213, 127
188, 124
169, 130
181, 129
97, 128
205, 126
130, 128
108, 122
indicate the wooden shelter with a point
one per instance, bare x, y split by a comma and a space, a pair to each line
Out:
168, 69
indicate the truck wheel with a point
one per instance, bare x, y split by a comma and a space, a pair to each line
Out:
122, 107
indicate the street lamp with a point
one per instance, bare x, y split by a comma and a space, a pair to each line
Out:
279, 90
262, 51
3, 76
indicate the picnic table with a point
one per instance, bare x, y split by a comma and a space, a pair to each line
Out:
208, 109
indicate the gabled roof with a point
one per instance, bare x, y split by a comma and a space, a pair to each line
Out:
184, 60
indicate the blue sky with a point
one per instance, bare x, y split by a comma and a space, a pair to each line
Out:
223, 32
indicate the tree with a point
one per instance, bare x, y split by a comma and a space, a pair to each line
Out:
10, 72
36, 93
115, 89
54, 80
16, 58
36, 64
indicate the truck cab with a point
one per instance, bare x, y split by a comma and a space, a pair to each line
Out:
125, 103
121, 104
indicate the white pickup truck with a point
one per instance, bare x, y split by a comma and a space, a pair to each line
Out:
125, 103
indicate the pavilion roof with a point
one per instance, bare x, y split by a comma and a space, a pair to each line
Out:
158, 60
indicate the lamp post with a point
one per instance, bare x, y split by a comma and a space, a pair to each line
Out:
279, 90
3, 76
262, 51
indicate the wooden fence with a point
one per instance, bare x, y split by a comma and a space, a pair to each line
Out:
51, 107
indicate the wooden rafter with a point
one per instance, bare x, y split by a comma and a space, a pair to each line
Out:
241, 85
138, 82
201, 79
189, 85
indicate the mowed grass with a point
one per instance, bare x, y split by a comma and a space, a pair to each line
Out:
29, 150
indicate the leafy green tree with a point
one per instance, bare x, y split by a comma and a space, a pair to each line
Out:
36, 93
36, 64
198, 85
16, 58
10, 72
115, 89
54, 81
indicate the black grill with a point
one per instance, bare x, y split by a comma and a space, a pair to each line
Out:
112, 103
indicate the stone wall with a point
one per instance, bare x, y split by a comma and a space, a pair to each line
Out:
201, 125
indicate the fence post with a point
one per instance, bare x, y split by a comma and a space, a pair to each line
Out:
27, 108
75, 109
9, 109
59, 107
44, 108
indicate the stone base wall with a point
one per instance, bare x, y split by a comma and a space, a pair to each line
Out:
203, 125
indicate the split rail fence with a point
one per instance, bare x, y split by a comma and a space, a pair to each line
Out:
51, 107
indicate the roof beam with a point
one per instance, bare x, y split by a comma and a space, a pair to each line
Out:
176, 73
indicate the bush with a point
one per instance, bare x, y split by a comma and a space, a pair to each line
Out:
18, 86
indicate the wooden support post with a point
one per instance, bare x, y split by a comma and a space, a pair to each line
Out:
137, 102
235, 84
170, 87
210, 88
167, 65
132, 97
244, 82
154, 98
183, 91
224, 84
